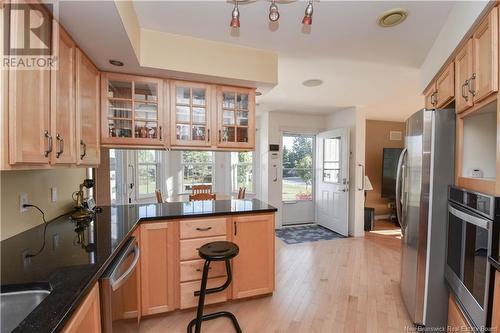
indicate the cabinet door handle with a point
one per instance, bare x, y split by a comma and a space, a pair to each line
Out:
204, 229
220, 136
235, 228
434, 98
208, 135
60, 139
161, 132
199, 269
84, 149
464, 95
48, 137
472, 79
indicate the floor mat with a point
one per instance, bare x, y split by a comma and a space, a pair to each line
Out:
305, 234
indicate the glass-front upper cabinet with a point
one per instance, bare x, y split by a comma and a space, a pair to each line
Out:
236, 117
131, 110
190, 114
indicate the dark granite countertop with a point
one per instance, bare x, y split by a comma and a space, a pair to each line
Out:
75, 255
495, 262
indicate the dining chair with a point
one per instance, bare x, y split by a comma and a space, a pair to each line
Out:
159, 197
202, 196
201, 189
241, 193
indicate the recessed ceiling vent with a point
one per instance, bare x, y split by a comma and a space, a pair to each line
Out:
392, 17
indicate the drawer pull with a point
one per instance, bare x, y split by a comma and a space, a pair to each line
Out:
204, 229
199, 269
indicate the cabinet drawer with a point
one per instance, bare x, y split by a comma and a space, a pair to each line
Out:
189, 247
192, 270
203, 228
188, 300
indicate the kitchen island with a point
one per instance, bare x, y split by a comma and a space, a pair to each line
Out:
76, 255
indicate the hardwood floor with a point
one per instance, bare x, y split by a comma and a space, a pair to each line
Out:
341, 285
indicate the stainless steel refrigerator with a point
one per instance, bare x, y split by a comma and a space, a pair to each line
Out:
425, 170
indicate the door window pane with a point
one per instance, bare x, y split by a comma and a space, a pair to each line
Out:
119, 89
297, 167
145, 91
331, 160
182, 95
199, 115
199, 96
147, 173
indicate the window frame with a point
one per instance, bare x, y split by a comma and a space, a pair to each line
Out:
137, 166
325, 161
183, 189
234, 174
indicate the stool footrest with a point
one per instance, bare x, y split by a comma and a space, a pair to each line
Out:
215, 315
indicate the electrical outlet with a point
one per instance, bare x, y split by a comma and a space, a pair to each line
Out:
23, 200
53, 194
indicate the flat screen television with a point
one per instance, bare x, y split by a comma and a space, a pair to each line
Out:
389, 170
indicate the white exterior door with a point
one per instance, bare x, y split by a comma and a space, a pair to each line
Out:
332, 181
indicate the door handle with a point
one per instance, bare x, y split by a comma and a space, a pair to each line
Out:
464, 85
48, 137
472, 79
362, 177
398, 186
84, 149
60, 139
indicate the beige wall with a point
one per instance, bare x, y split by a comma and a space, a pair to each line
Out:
37, 185
377, 138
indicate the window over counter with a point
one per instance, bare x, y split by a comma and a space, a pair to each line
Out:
197, 169
242, 171
147, 173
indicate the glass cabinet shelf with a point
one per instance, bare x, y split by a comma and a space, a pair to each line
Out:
234, 116
132, 105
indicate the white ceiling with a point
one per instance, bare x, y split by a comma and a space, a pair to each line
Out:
361, 64
341, 29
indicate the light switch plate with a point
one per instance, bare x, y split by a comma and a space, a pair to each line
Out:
53, 194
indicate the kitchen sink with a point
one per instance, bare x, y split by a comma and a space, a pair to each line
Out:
17, 305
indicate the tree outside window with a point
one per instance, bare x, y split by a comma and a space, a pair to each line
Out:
197, 168
147, 172
242, 171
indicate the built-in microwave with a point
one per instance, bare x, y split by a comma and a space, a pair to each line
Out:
469, 244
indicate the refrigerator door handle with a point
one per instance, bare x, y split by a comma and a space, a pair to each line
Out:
399, 193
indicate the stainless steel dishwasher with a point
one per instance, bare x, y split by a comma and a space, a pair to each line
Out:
120, 306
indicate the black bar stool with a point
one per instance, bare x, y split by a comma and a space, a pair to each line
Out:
214, 251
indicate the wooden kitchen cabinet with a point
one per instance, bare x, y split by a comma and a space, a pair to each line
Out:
87, 111
445, 86
463, 73
87, 318
235, 118
484, 80
132, 110
476, 64
62, 114
253, 267
29, 138
495, 314
430, 96
159, 266
190, 114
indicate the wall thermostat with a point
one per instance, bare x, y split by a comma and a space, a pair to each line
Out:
274, 147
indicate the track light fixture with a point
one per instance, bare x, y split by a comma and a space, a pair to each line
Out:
235, 20
307, 20
274, 14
